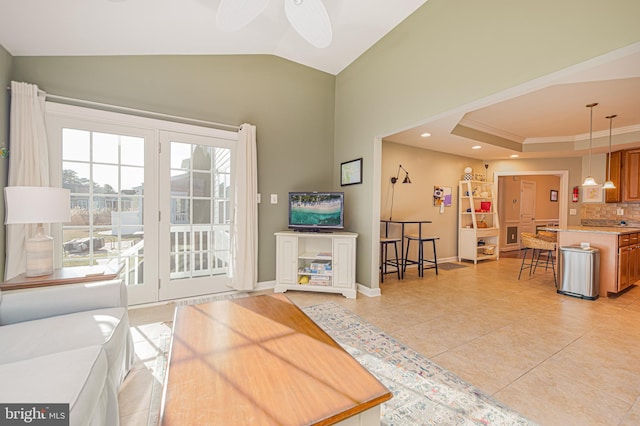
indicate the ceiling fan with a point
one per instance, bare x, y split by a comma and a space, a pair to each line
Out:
308, 17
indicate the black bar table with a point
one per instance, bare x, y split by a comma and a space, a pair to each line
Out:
402, 224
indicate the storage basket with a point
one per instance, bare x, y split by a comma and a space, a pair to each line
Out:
489, 250
531, 241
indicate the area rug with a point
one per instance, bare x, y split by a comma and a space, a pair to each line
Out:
423, 392
449, 266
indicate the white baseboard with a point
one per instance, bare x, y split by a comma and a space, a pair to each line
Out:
369, 292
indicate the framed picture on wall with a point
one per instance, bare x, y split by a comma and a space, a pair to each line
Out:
553, 195
592, 194
351, 172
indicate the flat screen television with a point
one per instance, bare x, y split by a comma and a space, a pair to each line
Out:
316, 211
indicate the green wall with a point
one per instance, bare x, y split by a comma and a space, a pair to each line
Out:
5, 81
291, 105
448, 54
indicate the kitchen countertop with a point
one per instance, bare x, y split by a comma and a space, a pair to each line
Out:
618, 230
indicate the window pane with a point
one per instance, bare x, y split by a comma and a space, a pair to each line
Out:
201, 158
132, 150
105, 148
132, 179
75, 177
180, 183
105, 179
180, 155
202, 184
201, 211
75, 144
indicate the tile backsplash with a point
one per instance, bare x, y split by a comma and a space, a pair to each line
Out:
606, 214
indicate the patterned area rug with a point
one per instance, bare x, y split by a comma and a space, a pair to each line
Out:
423, 392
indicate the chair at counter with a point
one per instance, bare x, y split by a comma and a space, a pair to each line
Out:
541, 244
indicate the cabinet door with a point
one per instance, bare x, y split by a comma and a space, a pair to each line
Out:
634, 264
631, 184
287, 260
623, 268
344, 262
614, 195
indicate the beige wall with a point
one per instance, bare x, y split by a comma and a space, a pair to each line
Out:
291, 105
415, 201
5, 80
448, 54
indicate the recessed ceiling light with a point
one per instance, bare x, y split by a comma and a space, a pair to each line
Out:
476, 147
514, 156
425, 135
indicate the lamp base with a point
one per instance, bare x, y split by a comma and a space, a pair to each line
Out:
39, 251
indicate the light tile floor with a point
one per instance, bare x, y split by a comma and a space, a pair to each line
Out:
556, 359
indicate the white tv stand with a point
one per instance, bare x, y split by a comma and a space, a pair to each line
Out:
316, 261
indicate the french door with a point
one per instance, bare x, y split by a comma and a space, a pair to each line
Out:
151, 195
195, 209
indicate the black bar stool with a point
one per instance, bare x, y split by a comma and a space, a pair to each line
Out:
421, 262
385, 262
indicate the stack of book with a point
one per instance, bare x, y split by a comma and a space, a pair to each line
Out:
320, 280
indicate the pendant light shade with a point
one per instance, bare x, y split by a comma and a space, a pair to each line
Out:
609, 183
590, 181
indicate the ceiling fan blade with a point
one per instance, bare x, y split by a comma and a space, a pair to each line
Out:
310, 19
235, 14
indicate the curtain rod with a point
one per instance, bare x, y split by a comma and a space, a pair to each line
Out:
134, 111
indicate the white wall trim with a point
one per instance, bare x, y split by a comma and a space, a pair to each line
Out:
369, 292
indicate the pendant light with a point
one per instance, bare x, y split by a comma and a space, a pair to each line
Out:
589, 181
609, 183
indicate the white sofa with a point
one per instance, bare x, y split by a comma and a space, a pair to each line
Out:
66, 344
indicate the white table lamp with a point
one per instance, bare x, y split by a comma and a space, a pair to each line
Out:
37, 204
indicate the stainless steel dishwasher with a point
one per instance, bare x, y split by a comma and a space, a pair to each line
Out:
579, 272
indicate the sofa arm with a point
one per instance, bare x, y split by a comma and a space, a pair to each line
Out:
43, 302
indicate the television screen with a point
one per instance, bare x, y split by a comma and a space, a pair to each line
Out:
316, 210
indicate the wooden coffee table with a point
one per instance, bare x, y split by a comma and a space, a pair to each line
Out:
261, 361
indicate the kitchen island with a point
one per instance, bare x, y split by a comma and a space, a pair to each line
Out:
619, 253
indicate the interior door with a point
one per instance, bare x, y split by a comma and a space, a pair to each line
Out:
195, 214
527, 206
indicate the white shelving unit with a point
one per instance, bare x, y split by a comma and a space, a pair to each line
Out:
316, 261
477, 205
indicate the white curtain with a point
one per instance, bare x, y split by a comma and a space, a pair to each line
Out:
244, 231
28, 162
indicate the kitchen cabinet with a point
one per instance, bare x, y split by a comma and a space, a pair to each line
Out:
628, 260
631, 171
614, 195
479, 233
619, 253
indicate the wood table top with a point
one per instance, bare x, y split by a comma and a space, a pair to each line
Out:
260, 360
61, 276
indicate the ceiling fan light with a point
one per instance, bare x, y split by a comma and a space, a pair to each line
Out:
589, 181
310, 19
236, 14
609, 185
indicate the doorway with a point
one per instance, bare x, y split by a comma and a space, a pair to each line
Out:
548, 209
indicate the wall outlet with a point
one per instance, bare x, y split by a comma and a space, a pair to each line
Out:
258, 198
573, 212
274, 198
619, 212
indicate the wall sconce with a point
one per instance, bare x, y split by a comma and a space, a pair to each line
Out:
394, 179
406, 176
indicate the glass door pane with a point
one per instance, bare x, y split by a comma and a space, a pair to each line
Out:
197, 202
105, 172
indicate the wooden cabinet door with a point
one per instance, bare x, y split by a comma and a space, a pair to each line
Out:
623, 268
286, 260
631, 184
615, 164
634, 264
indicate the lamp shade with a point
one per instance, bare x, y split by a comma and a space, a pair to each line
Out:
37, 204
